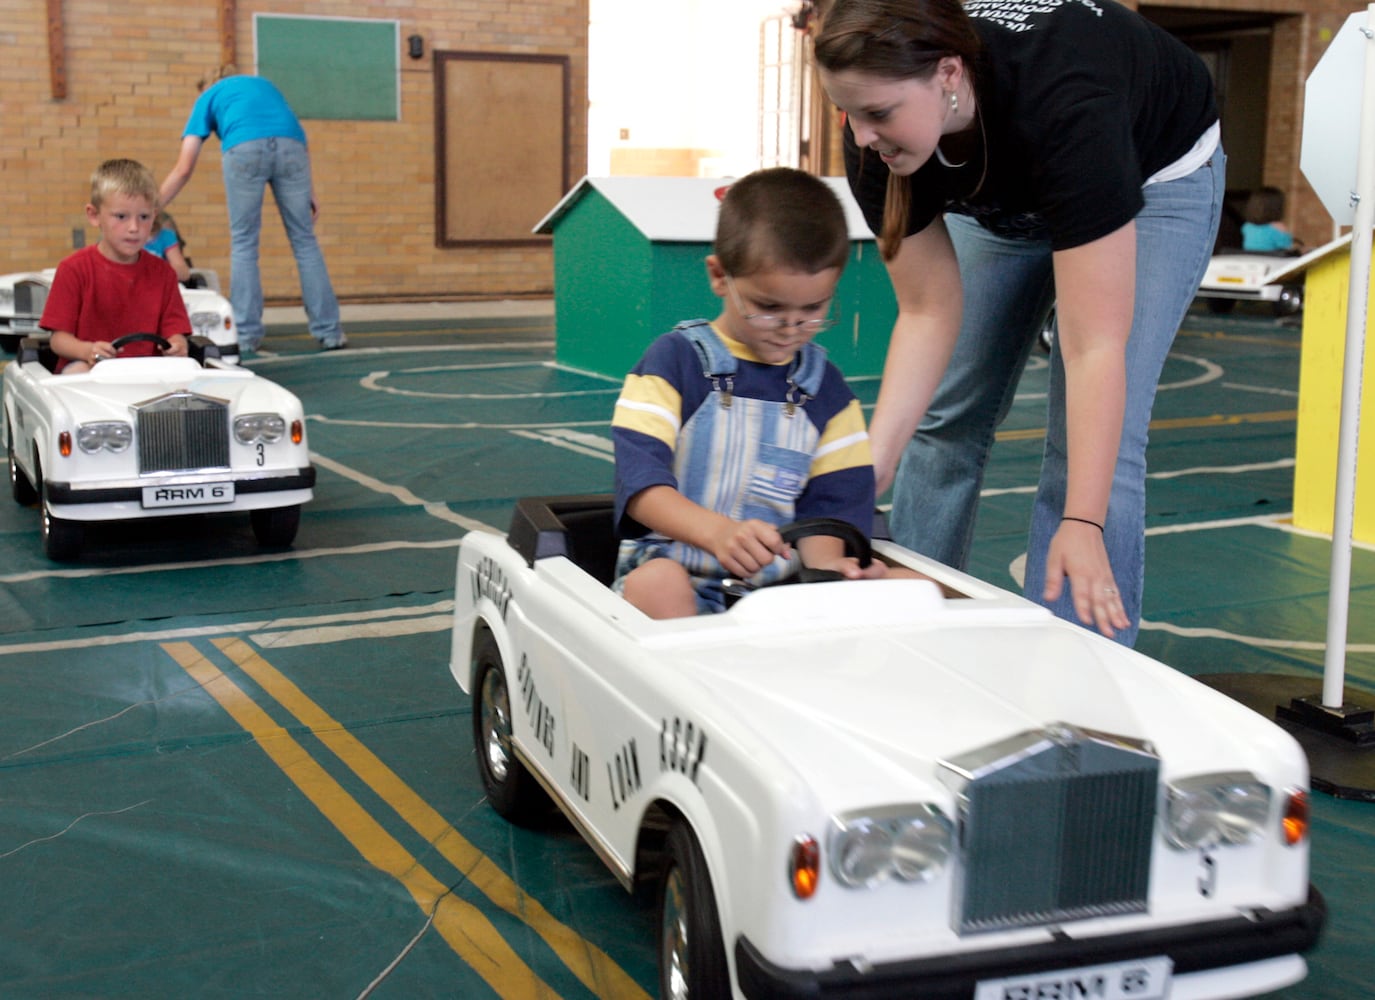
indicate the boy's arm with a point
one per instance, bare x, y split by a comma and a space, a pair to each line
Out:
68, 345
742, 547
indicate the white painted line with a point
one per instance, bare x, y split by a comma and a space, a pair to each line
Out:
584, 444
422, 614
1200, 470
405, 496
266, 358
340, 633
266, 557
1289, 393
467, 425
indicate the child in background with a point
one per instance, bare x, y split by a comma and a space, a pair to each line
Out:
167, 244
106, 291
726, 430
1263, 231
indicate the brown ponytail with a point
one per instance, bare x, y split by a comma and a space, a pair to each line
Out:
897, 40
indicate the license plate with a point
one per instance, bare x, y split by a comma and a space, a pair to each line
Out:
188, 496
1144, 979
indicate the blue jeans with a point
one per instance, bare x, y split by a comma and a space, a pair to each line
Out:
249, 168
1008, 287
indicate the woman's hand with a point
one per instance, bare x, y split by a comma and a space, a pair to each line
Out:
1077, 553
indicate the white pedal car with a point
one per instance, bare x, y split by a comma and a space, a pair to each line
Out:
872, 789
151, 437
24, 293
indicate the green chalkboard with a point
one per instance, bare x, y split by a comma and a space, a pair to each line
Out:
331, 67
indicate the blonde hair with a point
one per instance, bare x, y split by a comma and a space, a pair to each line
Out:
126, 177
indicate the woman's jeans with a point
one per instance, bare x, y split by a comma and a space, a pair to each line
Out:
1008, 287
283, 164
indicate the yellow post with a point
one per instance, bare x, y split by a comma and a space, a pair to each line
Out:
1320, 391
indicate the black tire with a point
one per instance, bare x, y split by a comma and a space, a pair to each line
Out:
692, 958
275, 527
21, 489
512, 790
61, 538
1045, 339
1290, 302
10, 342
1221, 307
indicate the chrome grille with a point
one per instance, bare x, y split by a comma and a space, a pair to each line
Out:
1055, 825
183, 432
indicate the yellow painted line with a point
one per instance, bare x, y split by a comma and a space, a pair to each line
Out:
469, 933
597, 971
1176, 423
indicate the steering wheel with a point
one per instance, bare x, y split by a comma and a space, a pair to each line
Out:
856, 544
163, 345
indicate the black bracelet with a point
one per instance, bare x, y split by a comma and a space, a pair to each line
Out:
1081, 520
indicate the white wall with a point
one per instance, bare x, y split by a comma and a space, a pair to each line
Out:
677, 74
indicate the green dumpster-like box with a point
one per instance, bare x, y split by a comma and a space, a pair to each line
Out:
629, 263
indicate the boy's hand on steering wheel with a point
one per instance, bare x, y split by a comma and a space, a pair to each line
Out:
745, 547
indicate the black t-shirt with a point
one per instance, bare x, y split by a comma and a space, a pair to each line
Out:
1081, 101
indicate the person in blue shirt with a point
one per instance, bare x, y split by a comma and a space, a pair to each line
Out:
1263, 231
167, 244
263, 145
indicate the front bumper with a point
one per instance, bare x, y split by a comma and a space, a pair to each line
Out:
1197, 947
66, 493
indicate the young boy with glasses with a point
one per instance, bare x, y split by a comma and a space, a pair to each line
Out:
726, 430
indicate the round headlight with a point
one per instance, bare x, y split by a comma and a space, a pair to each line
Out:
909, 842
1243, 808
1190, 818
862, 854
921, 846
1213, 809
111, 435
250, 428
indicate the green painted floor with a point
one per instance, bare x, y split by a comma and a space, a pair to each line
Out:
225, 774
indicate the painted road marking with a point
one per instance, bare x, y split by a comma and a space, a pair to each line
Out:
466, 930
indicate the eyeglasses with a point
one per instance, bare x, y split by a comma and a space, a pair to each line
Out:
770, 322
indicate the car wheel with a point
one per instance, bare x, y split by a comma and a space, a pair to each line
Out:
61, 538
1045, 339
1290, 301
20, 487
1221, 307
692, 959
10, 342
275, 527
513, 791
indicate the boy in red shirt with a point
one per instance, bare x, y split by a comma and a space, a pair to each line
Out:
115, 288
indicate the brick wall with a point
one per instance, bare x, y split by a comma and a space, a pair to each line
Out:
131, 74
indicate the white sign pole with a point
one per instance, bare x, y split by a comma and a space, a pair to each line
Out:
1344, 505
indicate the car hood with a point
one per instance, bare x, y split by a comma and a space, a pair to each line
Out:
112, 387
867, 710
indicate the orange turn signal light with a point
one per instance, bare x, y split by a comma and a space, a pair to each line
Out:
804, 866
298, 432
1296, 817
64, 443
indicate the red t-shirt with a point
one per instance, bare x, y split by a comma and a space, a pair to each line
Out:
97, 299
